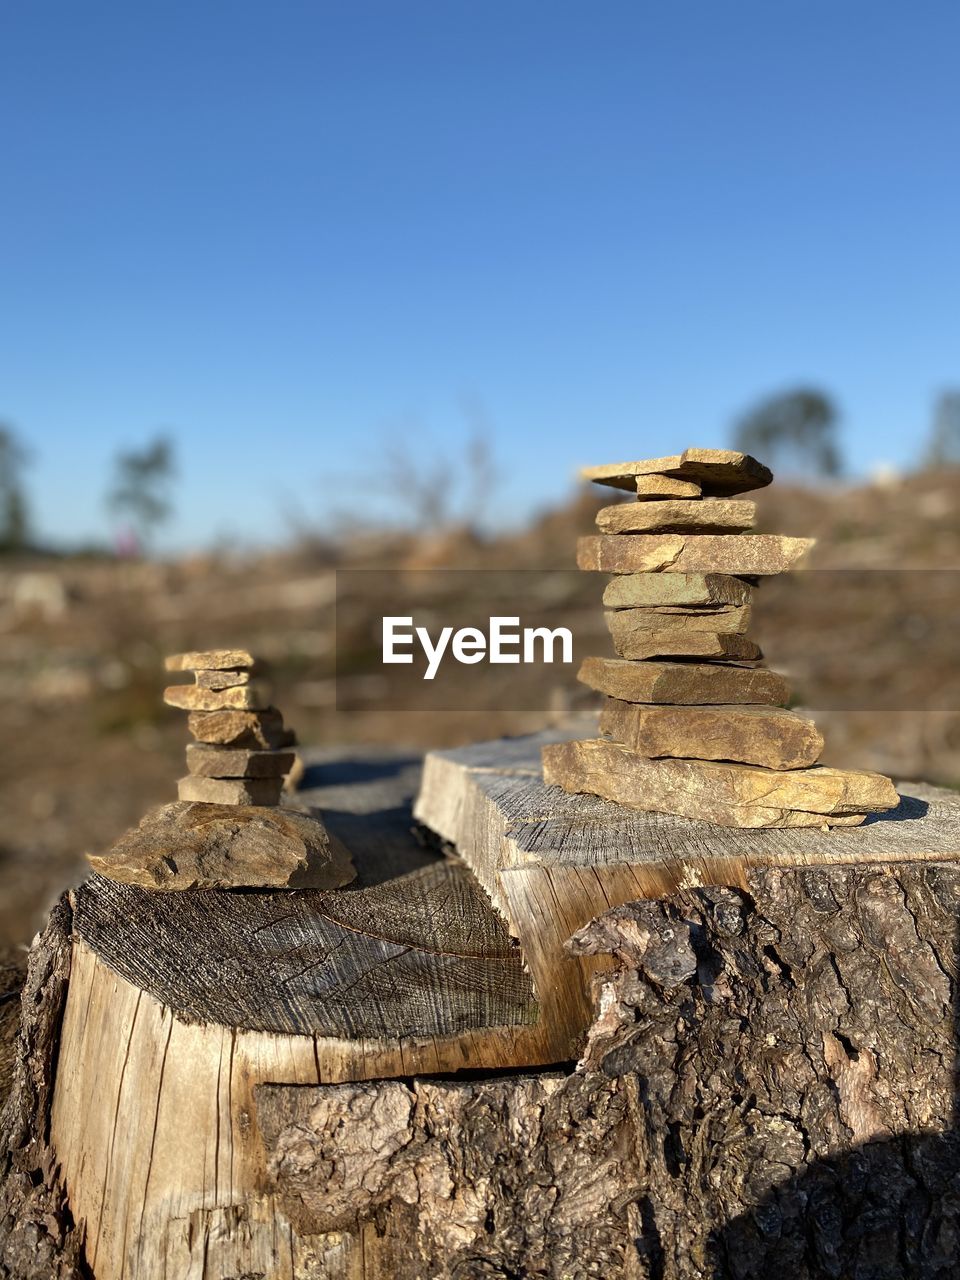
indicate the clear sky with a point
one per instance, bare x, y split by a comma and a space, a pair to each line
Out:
290, 231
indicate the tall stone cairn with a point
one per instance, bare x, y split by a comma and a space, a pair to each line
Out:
694, 724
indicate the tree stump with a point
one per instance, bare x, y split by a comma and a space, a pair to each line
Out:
378, 1081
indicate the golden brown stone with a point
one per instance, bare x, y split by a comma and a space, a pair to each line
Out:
204, 760
241, 728
685, 683
654, 487
732, 620
675, 589
209, 660
676, 642
752, 555
732, 795
719, 472
730, 515
190, 697
210, 846
242, 791
763, 735
221, 679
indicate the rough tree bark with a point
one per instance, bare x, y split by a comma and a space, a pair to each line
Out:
37, 1239
768, 1089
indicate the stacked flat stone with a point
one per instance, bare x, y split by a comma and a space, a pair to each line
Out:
241, 753
694, 724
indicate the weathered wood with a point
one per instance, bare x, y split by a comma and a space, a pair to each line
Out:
767, 1091
180, 1004
552, 861
422, 955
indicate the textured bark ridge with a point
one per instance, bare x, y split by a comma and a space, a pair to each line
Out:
767, 1090
37, 1239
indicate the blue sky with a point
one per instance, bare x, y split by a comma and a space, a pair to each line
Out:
290, 232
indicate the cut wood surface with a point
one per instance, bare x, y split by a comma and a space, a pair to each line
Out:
421, 955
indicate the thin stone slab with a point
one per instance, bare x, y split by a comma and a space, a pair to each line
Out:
226, 791
241, 728
751, 555
730, 795
222, 679
768, 736
206, 846
640, 590
206, 761
684, 683
675, 642
729, 515
719, 472
654, 487
210, 660
730, 619
190, 697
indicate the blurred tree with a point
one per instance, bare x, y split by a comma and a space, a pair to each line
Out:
796, 428
944, 447
14, 520
140, 491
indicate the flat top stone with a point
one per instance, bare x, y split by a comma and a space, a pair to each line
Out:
717, 471
210, 660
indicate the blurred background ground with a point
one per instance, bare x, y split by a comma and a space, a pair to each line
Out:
88, 744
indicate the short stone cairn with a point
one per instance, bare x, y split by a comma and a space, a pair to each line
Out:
227, 829
694, 724
241, 753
